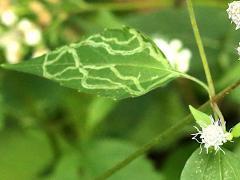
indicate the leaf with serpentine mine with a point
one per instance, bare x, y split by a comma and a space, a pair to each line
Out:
116, 63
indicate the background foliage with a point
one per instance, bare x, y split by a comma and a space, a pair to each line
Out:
52, 132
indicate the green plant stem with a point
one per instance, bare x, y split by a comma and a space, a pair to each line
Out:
173, 130
204, 61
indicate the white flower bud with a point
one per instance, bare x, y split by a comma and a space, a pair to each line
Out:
8, 17
234, 13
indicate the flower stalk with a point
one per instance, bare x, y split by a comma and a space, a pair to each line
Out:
207, 71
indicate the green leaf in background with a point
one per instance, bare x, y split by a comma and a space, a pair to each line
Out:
212, 166
23, 155
117, 63
147, 116
1, 112
98, 110
100, 155
201, 118
236, 131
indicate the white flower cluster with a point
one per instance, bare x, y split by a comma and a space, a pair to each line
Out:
213, 135
234, 15
19, 32
178, 57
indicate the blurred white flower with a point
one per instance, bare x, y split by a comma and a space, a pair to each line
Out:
177, 56
9, 36
13, 52
234, 13
32, 34
8, 17
10, 41
33, 37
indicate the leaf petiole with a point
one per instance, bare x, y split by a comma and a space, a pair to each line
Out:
187, 76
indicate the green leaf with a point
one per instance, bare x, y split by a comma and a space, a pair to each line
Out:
236, 131
99, 156
24, 155
201, 118
2, 109
212, 166
98, 110
178, 157
116, 63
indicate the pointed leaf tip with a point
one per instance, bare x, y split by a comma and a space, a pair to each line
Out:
201, 118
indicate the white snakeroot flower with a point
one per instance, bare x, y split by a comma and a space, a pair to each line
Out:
212, 136
178, 57
32, 34
8, 17
234, 13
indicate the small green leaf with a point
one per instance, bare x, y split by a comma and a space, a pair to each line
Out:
236, 131
201, 118
212, 166
116, 63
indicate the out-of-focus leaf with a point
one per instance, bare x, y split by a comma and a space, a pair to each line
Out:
1, 112
230, 76
237, 149
212, 166
25, 96
117, 63
23, 155
147, 116
67, 168
97, 157
98, 110
163, 112
99, 21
